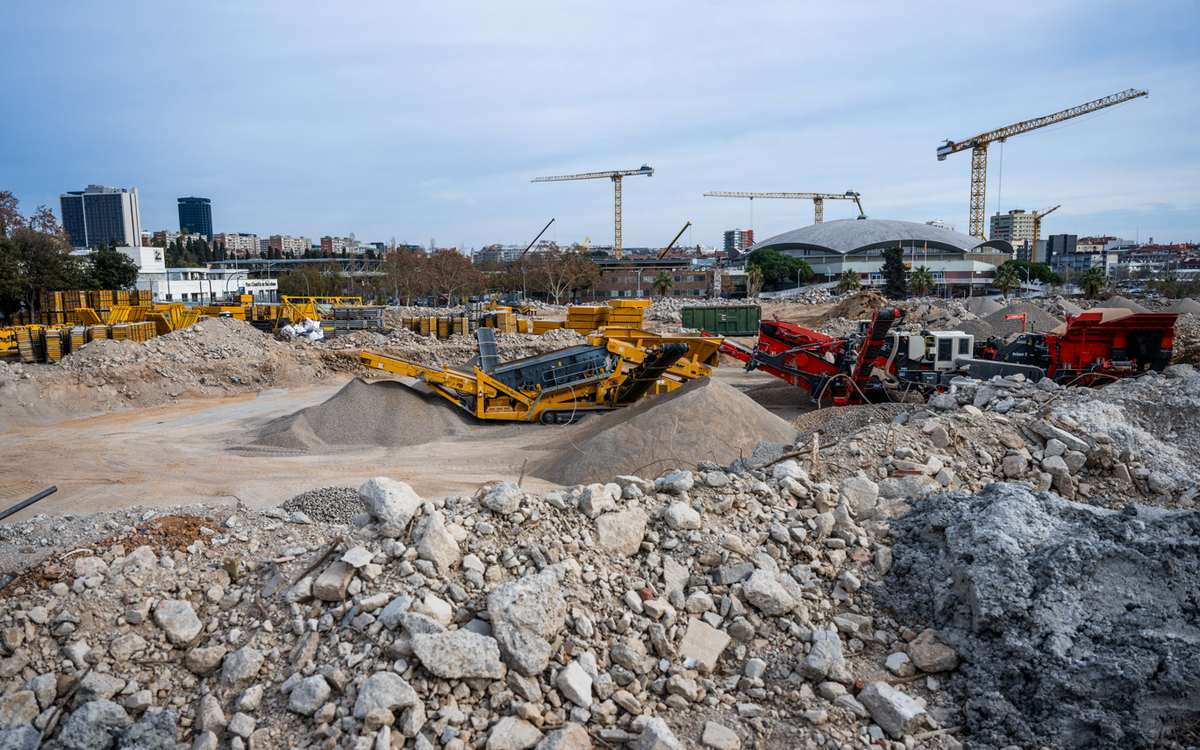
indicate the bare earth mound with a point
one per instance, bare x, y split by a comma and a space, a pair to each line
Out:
703, 421
859, 307
387, 413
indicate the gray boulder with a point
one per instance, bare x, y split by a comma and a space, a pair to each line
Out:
525, 614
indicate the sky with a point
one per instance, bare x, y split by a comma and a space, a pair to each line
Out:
428, 121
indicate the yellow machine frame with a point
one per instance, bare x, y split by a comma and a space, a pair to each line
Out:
487, 398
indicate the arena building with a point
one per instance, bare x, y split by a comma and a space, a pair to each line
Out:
833, 247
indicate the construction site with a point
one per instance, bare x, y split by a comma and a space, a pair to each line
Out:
834, 521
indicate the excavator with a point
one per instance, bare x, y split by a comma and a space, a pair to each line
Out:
879, 364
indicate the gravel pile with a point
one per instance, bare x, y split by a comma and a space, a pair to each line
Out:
1124, 302
336, 505
1036, 319
704, 420
386, 413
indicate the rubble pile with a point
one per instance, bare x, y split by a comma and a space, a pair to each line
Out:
214, 356
1133, 440
1075, 626
457, 349
713, 608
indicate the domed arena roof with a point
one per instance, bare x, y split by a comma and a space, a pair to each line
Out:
847, 236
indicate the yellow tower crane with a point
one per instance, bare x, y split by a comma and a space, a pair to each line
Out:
1037, 231
615, 176
979, 144
818, 200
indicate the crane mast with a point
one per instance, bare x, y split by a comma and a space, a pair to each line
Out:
615, 176
979, 144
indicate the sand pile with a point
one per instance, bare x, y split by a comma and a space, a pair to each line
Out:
387, 413
1185, 305
705, 420
1128, 304
1036, 319
982, 306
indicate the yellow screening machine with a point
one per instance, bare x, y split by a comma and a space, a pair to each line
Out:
615, 368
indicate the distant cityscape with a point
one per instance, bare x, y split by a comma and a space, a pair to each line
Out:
195, 263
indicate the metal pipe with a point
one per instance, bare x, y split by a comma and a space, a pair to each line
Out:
27, 503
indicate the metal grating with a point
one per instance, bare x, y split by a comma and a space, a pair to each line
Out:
489, 356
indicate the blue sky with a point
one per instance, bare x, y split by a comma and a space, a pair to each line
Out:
428, 120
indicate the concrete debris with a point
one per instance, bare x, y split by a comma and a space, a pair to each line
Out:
1077, 599
735, 599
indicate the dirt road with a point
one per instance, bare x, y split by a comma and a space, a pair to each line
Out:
194, 451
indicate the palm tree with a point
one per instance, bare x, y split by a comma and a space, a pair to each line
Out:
921, 280
754, 281
1006, 279
662, 283
1092, 281
849, 281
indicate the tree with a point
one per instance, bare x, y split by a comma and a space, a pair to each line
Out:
1092, 281
405, 273
453, 273
13, 279
754, 281
662, 283
10, 214
922, 280
112, 269
895, 284
778, 267
1169, 286
848, 281
556, 273
1036, 272
45, 265
1006, 279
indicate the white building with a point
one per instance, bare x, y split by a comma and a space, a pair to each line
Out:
200, 286
942, 224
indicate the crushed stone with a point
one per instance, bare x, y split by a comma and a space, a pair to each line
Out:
704, 420
385, 413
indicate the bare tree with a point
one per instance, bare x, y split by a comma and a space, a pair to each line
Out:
406, 273
453, 273
556, 272
10, 214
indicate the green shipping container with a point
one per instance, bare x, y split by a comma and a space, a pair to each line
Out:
732, 320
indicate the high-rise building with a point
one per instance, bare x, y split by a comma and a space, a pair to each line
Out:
195, 215
737, 240
1015, 225
102, 214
